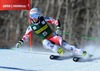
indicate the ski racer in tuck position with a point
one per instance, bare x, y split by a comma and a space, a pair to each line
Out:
50, 40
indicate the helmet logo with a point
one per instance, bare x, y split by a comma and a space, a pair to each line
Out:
33, 11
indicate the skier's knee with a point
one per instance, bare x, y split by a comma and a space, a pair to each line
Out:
47, 44
68, 46
55, 48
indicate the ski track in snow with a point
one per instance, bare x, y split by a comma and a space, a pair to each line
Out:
22, 59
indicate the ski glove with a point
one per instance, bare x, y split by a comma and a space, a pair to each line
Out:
19, 43
58, 31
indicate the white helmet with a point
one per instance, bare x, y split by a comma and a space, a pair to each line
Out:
35, 13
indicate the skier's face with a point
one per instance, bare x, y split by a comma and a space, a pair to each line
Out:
35, 19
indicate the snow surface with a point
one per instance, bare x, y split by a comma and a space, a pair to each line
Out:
22, 59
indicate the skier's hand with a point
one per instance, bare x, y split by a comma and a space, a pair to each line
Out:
59, 31
19, 43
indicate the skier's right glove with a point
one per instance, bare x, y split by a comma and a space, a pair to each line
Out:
58, 31
19, 43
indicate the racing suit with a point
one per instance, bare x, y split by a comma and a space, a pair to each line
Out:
50, 39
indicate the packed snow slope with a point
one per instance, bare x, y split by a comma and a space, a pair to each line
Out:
23, 59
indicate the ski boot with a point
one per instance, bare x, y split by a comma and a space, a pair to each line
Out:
60, 51
85, 56
77, 58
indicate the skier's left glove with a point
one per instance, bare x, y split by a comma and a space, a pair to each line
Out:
58, 31
19, 43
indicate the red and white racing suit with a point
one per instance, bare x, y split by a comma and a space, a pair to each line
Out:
54, 41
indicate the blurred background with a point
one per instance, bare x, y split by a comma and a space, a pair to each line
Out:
80, 21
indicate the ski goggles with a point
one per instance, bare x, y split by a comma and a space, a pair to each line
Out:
34, 16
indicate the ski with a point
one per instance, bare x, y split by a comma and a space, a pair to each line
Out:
80, 58
53, 57
76, 59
